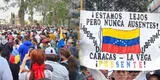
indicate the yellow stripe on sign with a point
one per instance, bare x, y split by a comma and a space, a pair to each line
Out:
121, 34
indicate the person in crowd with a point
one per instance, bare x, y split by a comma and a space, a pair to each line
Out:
37, 37
52, 39
62, 41
153, 75
17, 43
45, 43
35, 43
45, 32
132, 75
70, 63
2, 36
5, 72
141, 75
69, 42
105, 73
10, 36
72, 47
52, 36
119, 75
86, 75
37, 70
59, 72
24, 48
14, 61
6, 48
19, 37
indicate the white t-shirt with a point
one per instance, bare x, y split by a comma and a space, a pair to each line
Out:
38, 38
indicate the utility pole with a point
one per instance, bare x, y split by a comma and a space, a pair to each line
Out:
81, 1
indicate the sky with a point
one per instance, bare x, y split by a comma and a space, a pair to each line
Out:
6, 15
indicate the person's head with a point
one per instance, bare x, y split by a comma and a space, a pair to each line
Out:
37, 58
19, 37
120, 75
26, 37
50, 54
105, 73
70, 41
132, 74
17, 41
64, 53
153, 75
83, 68
34, 41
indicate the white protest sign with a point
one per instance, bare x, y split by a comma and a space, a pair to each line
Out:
120, 40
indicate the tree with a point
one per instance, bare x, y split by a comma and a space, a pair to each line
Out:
52, 10
117, 5
61, 11
23, 7
21, 12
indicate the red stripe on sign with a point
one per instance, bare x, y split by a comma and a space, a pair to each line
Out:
111, 48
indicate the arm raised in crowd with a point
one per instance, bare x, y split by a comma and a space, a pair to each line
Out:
22, 67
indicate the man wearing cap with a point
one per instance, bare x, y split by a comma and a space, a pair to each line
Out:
45, 43
59, 72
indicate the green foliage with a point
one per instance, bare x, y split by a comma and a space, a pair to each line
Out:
52, 10
62, 12
117, 5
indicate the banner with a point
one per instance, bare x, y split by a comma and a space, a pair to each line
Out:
120, 40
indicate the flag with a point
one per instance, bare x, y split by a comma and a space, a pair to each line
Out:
14, 57
121, 41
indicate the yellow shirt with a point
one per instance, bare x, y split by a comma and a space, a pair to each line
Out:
52, 36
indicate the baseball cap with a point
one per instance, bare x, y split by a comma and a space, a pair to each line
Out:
50, 50
46, 40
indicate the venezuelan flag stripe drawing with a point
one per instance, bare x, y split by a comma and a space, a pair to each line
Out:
121, 34
121, 41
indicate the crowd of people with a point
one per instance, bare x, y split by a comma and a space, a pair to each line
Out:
51, 53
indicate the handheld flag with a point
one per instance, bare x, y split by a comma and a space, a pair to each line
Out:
14, 57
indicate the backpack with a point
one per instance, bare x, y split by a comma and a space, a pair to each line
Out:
48, 67
48, 72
